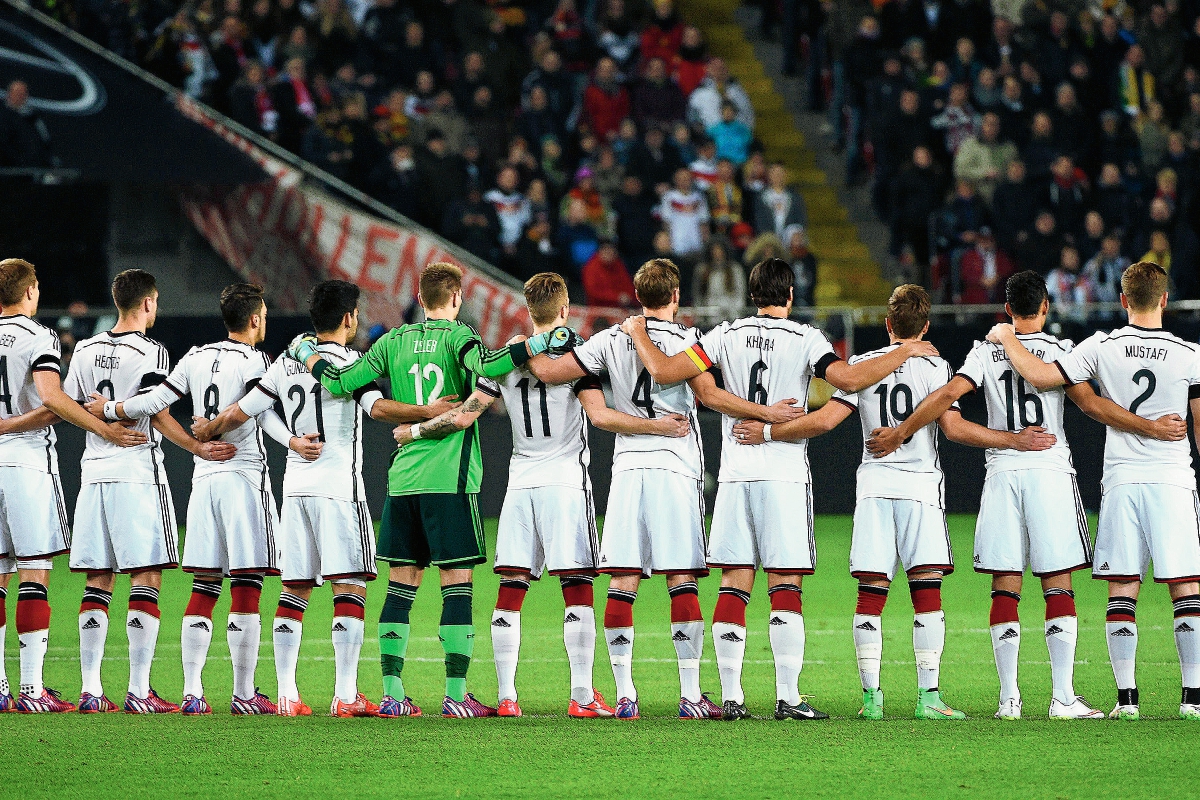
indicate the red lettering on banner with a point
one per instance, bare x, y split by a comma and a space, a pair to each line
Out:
291, 198
371, 256
335, 259
406, 267
313, 248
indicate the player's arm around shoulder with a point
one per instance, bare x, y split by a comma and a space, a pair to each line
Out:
1169, 428
449, 422
666, 370
935, 407
856, 375
1037, 372
170, 428
809, 426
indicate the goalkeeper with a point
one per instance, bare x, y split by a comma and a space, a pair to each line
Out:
431, 515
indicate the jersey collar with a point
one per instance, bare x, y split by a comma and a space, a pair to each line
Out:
1140, 328
124, 333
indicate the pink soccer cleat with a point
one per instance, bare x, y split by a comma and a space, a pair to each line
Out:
96, 704
7, 703
49, 702
469, 708
150, 704
702, 709
259, 704
596, 708
390, 708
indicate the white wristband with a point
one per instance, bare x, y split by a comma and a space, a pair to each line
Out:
415, 430
110, 411
767, 433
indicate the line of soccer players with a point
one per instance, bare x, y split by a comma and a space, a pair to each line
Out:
1030, 514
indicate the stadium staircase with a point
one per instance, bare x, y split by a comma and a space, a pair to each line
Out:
847, 273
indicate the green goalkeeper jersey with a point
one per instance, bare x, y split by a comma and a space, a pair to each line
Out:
425, 361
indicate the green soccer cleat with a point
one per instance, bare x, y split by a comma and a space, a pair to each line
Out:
1126, 711
1189, 711
930, 705
872, 707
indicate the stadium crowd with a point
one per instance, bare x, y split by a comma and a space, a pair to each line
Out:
1055, 135
577, 138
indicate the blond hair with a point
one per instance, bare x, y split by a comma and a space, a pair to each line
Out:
656, 282
1143, 285
16, 275
439, 282
908, 310
545, 295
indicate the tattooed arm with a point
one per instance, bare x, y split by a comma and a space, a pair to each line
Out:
452, 421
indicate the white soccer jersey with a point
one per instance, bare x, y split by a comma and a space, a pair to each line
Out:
26, 347
308, 408
914, 471
119, 366
1152, 373
636, 394
765, 360
215, 376
549, 427
1014, 405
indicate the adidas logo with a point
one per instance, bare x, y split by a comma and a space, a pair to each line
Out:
283, 628
500, 622
390, 635
1053, 629
603, 559
233, 628
918, 624
571, 617
777, 621
732, 637
1122, 632
620, 640
91, 624
339, 628
201, 625
680, 636
978, 559
1104, 566
135, 623
866, 626
1010, 633
23, 646
1183, 627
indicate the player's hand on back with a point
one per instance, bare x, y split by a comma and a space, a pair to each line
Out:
217, 451
632, 323
303, 347
95, 406
1001, 331
783, 411
883, 442
1035, 438
308, 446
202, 428
1171, 428
919, 349
749, 431
443, 404
124, 436
674, 426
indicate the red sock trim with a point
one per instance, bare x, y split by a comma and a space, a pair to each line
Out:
1004, 609
511, 598
86, 607
730, 610
32, 615
1060, 605
787, 600
289, 613
870, 604
244, 599
1112, 616
618, 614
200, 605
3, 608
349, 610
576, 595
145, 607
685, 607
926, 601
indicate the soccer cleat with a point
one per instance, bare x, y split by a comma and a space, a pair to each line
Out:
596, 708
390, 708
701, 709
1010, 708
194, 706
1077, 709
7, 703
627, 709
259, 704
150, 704
801, 710
292, 708
1189, 711
468, 708
360, 707
732, 709
50, 702
508, 708
872, 707
96, 704
930, 705
1129, 712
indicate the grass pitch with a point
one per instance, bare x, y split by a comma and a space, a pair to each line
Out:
548, 754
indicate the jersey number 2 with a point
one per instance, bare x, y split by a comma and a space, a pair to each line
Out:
1151, 385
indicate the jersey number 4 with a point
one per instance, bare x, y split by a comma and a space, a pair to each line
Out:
5, 391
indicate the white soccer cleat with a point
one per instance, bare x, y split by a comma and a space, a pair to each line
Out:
1010, 708
1129, 712
1189, 711
1076, 709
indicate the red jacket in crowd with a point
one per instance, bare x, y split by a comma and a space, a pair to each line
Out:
607, 283
974, 290
604, 110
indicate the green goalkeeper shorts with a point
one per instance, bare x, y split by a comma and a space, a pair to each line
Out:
444, 530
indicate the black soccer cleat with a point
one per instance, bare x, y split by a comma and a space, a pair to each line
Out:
732, 710
801, 710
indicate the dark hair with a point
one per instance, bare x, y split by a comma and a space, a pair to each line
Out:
132, 287
240, 302
1024, 293
771, 283
908, 310
330, 301
16, 275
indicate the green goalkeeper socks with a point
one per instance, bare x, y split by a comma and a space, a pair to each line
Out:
393, 636
458, 637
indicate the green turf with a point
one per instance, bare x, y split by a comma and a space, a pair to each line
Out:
549, 754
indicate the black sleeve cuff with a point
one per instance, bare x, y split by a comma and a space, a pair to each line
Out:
592, 382
487, 388
1194, 391
320, 367
823, 364
519, 353
362, 390
850, 406
1063, 372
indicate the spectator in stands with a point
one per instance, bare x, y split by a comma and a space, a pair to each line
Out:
1041, 249
1115, 144
984, 159
384, 35
537, 121
1014, 207
292, 98
1069, 288
511, 207
861, 64
606, 280
690, 66
657, 100
983, 270
704, 105
598, 215
1104, 270
536, 252
1152, 133
1013, 111
605, 102
395, 183
488, 123
663, 37
445, 117
764, 246
1161, 39
724, 197
720, 283
804, 265
471, 223
965, 213
778, 204
681, 140
442, 178
1073, 127
1136, 86
324, 144
916, 194
731, 136
704, 167
229, 55
635, 221
684, 214
250, 102
577, 240
654, 161
504, 61
618, 35
559, 86
24, 137
958, 120
899, 133
1067, 195
608, 175
1041, 150
1092, 239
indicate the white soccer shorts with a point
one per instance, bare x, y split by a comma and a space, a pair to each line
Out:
551, 528
231, 523
33, 516
8, 566
124, 527
763, 523
654, 524
1144, 522
322, 539
1031, 517
908, 531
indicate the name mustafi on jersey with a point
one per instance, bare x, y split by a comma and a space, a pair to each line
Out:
1142, 351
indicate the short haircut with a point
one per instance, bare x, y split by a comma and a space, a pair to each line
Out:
16, 275
771, 282
330, 302
655, 282
1025, 292
131, 287
908, 310
439, 282
240, 302
1143, 285
545, 295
